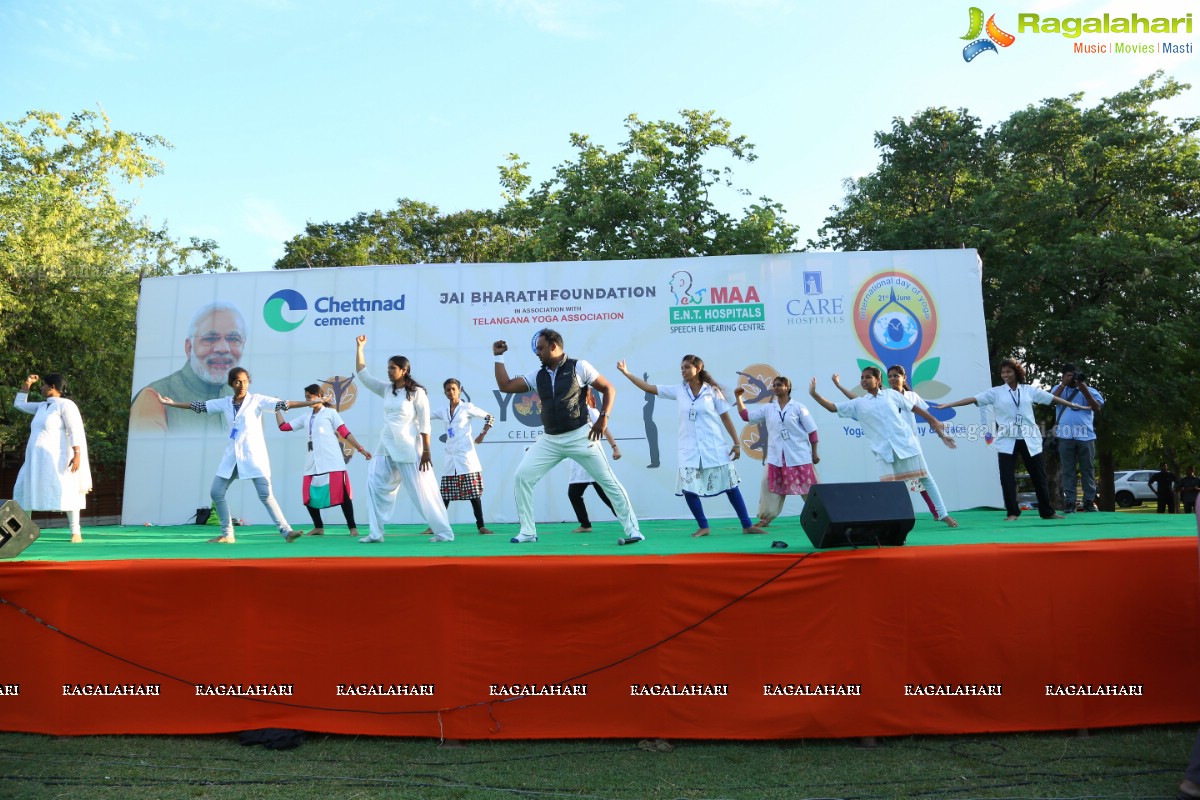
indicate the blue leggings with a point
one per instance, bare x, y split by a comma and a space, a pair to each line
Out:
735, 500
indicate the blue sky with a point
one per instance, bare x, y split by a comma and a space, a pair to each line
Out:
288, 111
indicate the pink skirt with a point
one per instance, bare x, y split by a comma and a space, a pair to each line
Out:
791, 480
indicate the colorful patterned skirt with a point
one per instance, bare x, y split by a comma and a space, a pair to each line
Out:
331, 489
791, 480
462, 487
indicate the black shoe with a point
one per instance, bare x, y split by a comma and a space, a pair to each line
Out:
1089, 507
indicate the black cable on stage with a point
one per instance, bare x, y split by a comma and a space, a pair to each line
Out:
436, 711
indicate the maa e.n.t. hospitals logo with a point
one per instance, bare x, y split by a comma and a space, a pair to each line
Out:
284, 300
896, 321
713, 309
995, 36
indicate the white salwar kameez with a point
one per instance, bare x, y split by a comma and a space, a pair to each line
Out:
397, 461
46, 482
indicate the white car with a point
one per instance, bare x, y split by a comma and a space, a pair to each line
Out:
1130, 487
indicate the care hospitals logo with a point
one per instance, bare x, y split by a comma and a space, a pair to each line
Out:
285, 300
995, 36
725, 308
814, 307
896, 321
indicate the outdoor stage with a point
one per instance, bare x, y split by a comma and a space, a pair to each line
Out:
1084, 623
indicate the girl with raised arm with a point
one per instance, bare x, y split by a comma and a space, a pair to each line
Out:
883, 414
402, 457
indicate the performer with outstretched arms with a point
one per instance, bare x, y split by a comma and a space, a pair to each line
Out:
326, 481
246, 451
705, 466
1017, 433
898, 380
560, 384
883, 412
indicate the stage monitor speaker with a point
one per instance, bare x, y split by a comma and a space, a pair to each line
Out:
17, 530
857, 514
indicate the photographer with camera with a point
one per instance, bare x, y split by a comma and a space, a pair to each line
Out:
1076, 434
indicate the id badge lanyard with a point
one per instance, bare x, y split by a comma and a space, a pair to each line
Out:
692, 413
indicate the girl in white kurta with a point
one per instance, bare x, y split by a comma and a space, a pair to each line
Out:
326, 482
883, 414
705, 466
245, 456
462, 473
403, 456
898, 381
791, 446
56, 475
1017, 434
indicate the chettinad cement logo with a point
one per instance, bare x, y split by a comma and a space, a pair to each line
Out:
994, 37
285, 299
281, 309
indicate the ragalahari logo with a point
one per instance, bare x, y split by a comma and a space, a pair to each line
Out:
994, 37
273, 309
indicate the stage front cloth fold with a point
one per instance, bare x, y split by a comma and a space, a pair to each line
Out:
952, 639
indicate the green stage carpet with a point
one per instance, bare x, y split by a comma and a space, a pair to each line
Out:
664, 538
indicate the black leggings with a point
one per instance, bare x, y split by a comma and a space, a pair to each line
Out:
476, 506
575, 493
347, 509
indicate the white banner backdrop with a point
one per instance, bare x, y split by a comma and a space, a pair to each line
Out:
750, 318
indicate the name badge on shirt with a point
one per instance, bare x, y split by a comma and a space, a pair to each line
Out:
691, 415
233, 432
450, 432
785, 434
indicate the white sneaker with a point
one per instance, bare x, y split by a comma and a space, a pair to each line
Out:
370, 540
522, 538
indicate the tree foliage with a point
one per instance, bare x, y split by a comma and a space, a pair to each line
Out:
654, 197
1088, 224
72, 254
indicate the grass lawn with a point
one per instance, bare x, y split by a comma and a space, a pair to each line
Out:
1116, 763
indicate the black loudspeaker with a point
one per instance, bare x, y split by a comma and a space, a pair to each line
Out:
857, 514
17, 530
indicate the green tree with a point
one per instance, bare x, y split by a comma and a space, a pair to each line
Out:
1088, 224
655, 197
413, 232
72, 255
